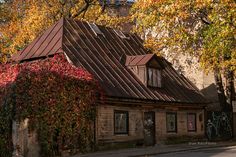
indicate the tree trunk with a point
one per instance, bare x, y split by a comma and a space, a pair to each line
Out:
220, 89
229, 89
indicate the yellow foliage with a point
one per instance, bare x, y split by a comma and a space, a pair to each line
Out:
203, 27
28, 19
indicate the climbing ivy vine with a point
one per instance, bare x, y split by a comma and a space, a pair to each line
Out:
56, 97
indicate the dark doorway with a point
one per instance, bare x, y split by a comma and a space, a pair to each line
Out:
149, 128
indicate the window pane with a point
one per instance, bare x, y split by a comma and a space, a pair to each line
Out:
150, 75
155, 77
121, 120
191, 122
171, 122
159, 78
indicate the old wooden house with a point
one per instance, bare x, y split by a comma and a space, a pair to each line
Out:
145, 99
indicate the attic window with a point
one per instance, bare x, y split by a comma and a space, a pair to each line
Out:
154, 77
147, 68
121, 34
95, 29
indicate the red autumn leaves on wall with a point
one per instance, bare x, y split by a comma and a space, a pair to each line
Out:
57, 97
9, 73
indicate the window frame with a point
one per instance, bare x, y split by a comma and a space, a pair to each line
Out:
148, 78
176, 127
127, 122
195, 122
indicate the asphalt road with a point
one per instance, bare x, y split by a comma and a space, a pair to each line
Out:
211, 152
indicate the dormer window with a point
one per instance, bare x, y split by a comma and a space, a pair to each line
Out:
147, 68
154, 77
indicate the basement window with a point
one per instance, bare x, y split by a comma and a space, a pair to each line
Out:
95, 29
154, 77
121, 122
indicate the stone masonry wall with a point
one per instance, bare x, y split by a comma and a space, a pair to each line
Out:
105, 123
162, 134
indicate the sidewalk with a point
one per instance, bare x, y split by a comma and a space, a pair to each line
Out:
158, 149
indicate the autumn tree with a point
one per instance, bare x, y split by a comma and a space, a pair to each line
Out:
203, 28
23, 20
4, 18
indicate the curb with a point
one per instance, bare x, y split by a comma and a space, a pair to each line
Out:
183, 150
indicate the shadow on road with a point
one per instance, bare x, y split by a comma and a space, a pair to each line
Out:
210, 152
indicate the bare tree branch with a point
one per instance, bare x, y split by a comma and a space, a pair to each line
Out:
104, 2
84, 8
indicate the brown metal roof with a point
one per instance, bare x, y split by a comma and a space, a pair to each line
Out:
101, 56
49, 43
138, 59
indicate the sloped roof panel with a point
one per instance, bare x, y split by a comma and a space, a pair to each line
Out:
48, 43
101, 55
